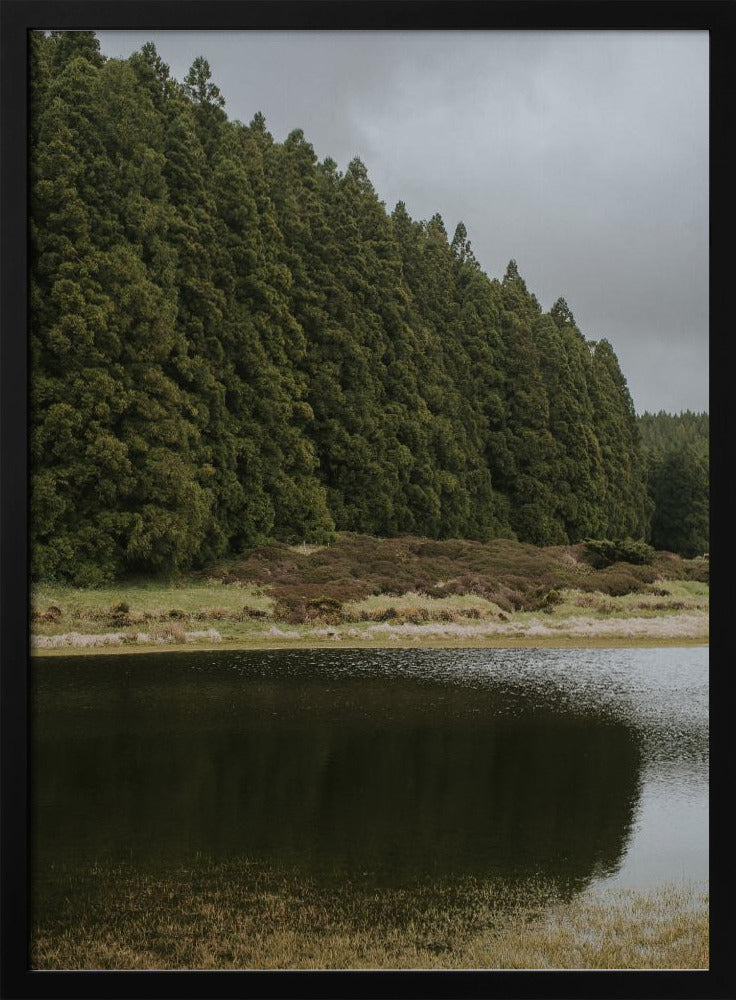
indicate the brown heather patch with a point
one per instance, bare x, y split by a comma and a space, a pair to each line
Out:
615, 581
357, 566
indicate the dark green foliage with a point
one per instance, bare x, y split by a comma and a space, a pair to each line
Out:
678, 479
626, 506
626, 550
662, 432
232, 342
114, 480
680, 491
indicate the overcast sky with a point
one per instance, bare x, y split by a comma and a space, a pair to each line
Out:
583, 155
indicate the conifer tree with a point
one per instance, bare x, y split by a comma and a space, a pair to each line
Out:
479, 333
676, 447
577, 473
113, 483
626, 508
679, 489
528, 452
266, 345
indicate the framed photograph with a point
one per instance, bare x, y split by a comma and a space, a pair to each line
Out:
357, 496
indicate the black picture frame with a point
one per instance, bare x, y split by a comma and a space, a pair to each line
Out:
20, 16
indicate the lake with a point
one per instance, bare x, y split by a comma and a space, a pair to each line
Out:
374, 768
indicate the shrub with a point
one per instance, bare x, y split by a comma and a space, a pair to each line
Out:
697, 570
669, 566
550, 600
647, 574
613, 581
119, 614
249, 612
299, 610
513, 575
620, 550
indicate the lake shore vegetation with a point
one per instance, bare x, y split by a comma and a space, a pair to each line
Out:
273, 920
390, 591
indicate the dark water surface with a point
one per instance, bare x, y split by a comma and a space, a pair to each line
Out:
392, 766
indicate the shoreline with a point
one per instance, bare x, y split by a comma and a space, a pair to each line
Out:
257, 928
402, 642
450, 612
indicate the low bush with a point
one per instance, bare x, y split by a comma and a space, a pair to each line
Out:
249, 612
620, 550
300, 610
50, 616
647, 574
669, 566
119, 615
614, 581
697, 569
660, 605
550, 600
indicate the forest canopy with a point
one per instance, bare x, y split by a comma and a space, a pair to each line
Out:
233, 341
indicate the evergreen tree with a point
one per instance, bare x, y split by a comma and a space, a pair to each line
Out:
267, 345
113, 483
577, 472
526, 448
626, 507
661, 432
679, 488
677, 453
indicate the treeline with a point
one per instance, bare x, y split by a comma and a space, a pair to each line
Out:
233, 341
678, 478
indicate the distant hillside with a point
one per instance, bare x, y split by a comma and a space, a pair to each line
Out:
662, 432
232, 341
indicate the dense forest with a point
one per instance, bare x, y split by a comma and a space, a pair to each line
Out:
233, 341
677, 453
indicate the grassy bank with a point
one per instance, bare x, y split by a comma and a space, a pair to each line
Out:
364, 591
246, 918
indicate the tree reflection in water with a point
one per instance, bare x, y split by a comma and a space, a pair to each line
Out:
336, 774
